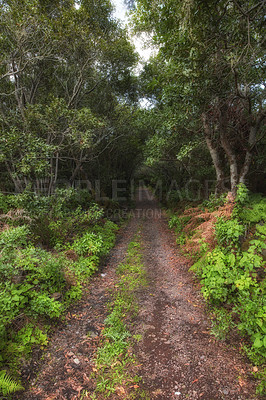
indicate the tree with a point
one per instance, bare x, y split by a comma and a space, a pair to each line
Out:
61, 72
214, 51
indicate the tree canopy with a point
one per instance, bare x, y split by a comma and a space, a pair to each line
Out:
70, 93
66, 84
208, 80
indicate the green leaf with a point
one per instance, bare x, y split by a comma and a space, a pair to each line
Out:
258, 343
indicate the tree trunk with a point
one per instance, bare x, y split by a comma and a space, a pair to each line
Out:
251, 143
78, 167
215, 156
248, 157
232, 163
228, 148
17, 182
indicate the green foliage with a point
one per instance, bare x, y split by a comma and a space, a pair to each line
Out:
181, 239
4, 206
8, 385
74, 293
174, 222
214, 202
218, 276
254, 210
261, 387
88, 244
114, 356
235, 275
23, 342
107, 234
13, 299
178, 223
228, 232
38, 285
13, 238
251, 309
52, 125
234, 278
222, 323
42, 304
242, 195
64, 220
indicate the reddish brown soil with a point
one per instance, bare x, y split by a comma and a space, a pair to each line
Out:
179, 357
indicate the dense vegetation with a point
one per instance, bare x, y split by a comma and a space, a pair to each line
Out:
207, 85
48, 253
72, 129
230, 264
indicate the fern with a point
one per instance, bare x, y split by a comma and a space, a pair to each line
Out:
8, 385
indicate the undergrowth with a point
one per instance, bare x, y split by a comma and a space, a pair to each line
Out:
232, 275
48, 251
115, 363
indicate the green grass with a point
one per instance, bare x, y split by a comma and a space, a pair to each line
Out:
115, 362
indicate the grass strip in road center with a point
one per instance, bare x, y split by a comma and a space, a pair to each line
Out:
115, 365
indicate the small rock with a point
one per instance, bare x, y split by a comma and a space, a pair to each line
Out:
103, 275
177, 393
226, 391
76, 361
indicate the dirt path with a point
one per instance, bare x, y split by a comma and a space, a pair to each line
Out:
179, 357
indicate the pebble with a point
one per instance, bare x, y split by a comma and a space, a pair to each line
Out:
177, 393
76, 361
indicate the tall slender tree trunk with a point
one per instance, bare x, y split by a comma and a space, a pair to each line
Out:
251, 143
248, 158
215, 156
16, 182
232, 163
231, 156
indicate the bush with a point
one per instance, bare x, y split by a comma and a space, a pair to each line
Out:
37, 285
236, 277
13, 238
251, 310
228, 232
213, 202
42, 304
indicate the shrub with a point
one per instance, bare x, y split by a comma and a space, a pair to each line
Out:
228, 232
14, 238
42, 304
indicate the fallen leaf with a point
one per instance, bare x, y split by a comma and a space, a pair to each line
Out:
120, 390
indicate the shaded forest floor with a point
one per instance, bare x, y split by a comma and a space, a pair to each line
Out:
178, 357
